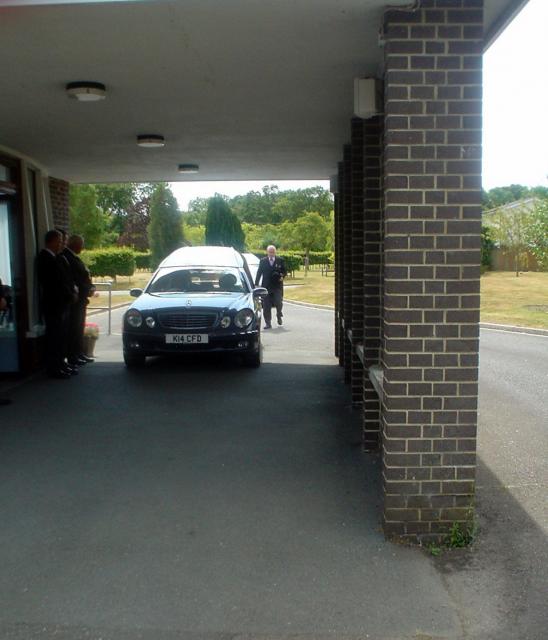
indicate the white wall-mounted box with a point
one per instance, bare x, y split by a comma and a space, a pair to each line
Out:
367, 97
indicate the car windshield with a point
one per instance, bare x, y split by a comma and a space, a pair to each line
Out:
198, 280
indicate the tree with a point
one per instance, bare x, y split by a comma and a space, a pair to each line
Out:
135, 225
310, 232
537, 235
115, 198
194, 234
222, 227
87, 219
498, 196
487, 246
257, 207
292, 204
272, 206
128, 204
165, 231
197, 211
509, 229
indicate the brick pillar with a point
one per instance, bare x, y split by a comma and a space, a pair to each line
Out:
59, 195
433, 86
340, 261
357, 251
372, 261
337, 232
347, 264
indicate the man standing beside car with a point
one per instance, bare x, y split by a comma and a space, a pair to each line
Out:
77, 312
272, 271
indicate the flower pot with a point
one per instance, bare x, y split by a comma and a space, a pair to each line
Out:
89, 345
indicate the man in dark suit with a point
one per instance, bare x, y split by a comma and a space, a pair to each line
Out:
4, 306
57, 293
77, 312
272, 271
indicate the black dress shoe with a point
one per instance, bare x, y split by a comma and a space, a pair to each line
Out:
80, 362
85, 358
268, 326
72, 370
60, 375
280, 321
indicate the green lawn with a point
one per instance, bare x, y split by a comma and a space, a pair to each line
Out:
521, 301
123, 283
505, 299
313, 288
102, 300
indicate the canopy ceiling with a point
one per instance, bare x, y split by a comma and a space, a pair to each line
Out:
247, 89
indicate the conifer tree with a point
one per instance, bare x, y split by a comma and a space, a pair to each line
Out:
165, 230
222, 227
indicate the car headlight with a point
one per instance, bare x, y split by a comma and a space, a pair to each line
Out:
244, 318
150, 322
134, 318
225, 322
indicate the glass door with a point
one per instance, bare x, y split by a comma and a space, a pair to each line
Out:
9, 277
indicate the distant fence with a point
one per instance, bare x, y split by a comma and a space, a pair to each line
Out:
502, 260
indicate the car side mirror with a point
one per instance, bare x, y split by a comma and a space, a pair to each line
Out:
135, 293
260, 292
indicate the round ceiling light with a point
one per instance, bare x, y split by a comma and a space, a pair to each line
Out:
150, 141
188, 168
86, 91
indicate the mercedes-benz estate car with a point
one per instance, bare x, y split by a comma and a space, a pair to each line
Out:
200, 299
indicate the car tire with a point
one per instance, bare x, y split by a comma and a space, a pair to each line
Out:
254, 360
134, 360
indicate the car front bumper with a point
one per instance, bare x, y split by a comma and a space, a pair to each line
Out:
150, 344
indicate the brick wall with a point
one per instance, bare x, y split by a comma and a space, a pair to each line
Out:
433, 86
346, 201
357, 254
372, 262
337, 285
339, 264
59, 195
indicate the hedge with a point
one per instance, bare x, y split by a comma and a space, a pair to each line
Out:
320, 257
143, 260
296, 258
293, 261
110, 262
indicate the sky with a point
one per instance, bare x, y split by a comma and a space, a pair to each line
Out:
515, 109
515, 114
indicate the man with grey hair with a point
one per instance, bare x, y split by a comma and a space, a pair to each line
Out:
272, 271
77, 314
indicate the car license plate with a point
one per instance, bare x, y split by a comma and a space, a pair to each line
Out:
187, 338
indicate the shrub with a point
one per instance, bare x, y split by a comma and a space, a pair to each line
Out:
487, 246
110, 262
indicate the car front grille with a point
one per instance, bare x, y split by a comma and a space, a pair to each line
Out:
187, 320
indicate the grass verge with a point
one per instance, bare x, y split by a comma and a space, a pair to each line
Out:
521, 301
102, 300
313, 288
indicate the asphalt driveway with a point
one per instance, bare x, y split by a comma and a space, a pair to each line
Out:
201, 500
